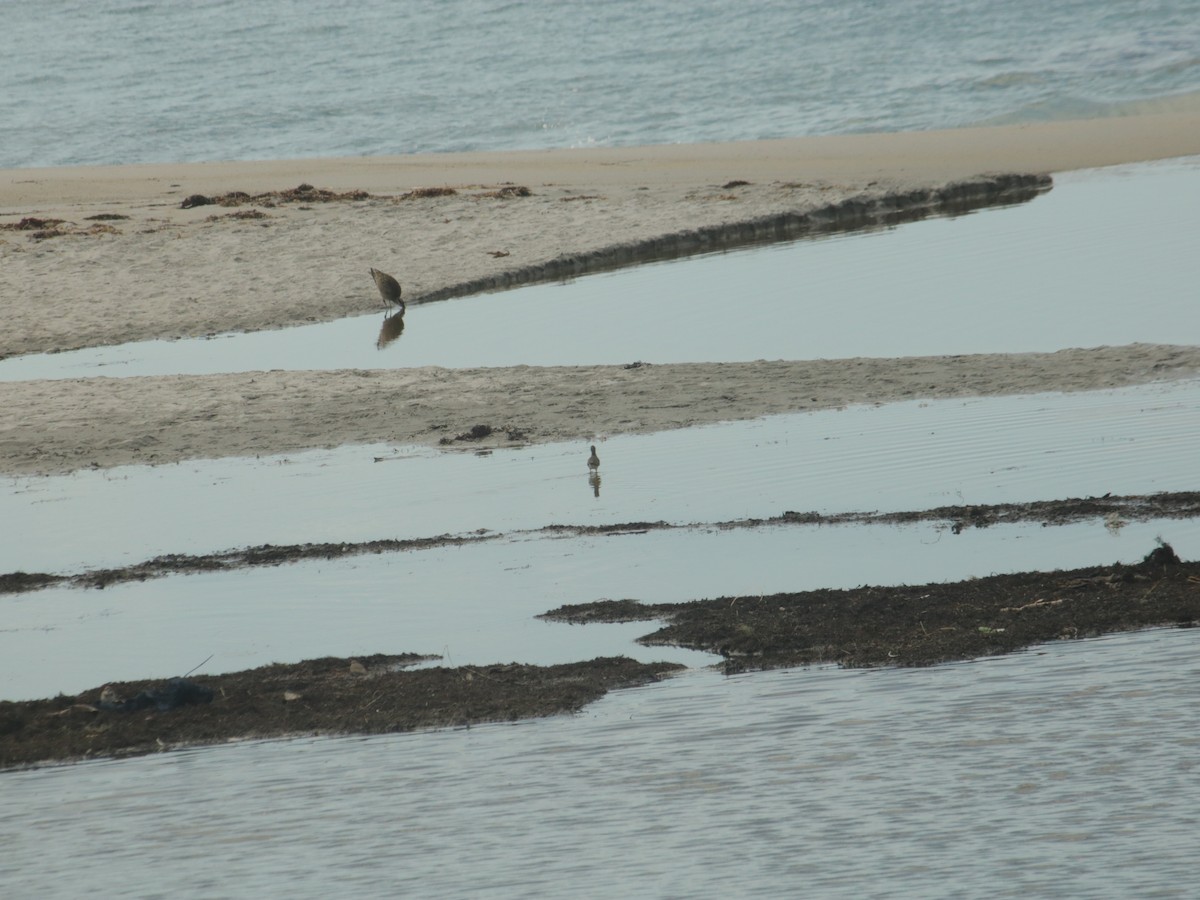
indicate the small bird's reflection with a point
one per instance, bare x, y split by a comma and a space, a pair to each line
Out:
393, 327
594, 472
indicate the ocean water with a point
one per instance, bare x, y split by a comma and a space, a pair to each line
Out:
126, 81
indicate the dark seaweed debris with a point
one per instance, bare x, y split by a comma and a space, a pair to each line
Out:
367, 695
918, 625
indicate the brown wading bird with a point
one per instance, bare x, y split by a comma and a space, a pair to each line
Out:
389, 289
593, 460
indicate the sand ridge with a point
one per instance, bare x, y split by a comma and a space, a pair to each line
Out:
52, 427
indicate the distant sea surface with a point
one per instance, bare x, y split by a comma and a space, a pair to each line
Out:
119, 81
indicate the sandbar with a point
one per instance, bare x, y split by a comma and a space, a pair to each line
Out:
127, 261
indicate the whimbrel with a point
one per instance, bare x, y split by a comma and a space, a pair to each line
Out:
389, 288
593, 460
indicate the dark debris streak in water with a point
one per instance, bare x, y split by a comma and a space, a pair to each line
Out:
1115, 509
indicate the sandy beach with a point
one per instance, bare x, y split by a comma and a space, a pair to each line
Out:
100, 256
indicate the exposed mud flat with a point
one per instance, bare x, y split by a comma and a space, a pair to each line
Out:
867, 626
919, 625
366, 695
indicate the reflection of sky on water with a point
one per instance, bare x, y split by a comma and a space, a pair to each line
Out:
1106, 257
903, 456
476, 604
477, 601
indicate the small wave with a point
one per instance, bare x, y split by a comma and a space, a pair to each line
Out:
1181, 66
135, 10
1012, 79
1062, 108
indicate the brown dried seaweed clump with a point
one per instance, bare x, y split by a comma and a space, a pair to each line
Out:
42, 229
306, 193
426, 193
303, 193
507, 192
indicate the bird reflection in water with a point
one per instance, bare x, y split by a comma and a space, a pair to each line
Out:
594, 472
393, 327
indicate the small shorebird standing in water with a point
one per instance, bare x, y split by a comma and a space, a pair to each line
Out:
389, 289
594, 460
